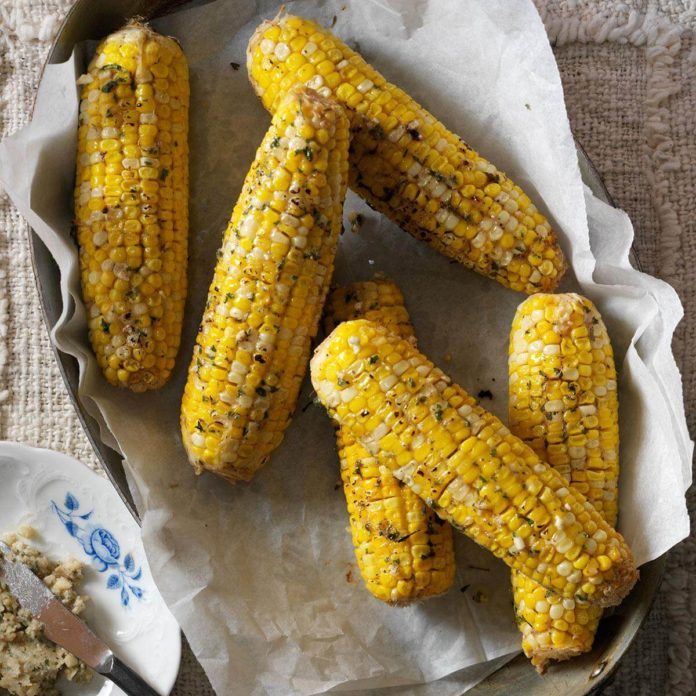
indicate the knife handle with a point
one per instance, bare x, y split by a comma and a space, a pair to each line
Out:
124, 677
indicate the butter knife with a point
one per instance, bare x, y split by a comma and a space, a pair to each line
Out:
63, 628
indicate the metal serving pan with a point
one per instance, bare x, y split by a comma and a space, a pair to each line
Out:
583, 675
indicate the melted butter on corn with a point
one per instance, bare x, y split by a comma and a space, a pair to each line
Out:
467, 465
404, 551
268, 289
131, 204
406, 164
563, 404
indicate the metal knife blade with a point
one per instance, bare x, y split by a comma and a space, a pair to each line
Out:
64, 628
60, 625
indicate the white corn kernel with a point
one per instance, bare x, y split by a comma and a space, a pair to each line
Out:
388, 382
348, 394
564, 568
519, 543
282, 51
556, 611
365, 86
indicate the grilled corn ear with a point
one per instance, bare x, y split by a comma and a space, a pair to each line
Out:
406, 164
268, 289
131, 204
378, 300
467, 465
563, 404
405, 552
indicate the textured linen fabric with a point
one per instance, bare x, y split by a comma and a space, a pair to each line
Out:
628, 71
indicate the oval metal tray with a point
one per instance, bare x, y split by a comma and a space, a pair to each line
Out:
583, 675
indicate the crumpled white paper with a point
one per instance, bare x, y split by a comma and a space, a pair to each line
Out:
261, 576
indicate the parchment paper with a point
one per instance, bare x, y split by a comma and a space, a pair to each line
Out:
262, 576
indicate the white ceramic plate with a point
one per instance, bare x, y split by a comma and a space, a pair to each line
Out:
77, 513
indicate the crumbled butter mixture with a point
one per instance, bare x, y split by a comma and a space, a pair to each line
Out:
29, 664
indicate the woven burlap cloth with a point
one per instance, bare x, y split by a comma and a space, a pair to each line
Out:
630, 85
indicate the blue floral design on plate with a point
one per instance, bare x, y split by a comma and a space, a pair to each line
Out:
102, 547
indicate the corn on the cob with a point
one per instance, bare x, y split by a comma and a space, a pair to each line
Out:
467, 465
377, 300
407, 165
131, 204
267, 293
405, 552
563, 404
